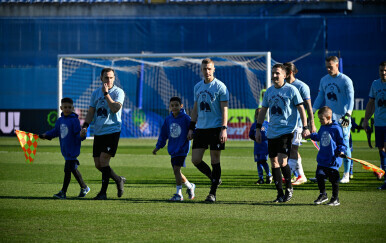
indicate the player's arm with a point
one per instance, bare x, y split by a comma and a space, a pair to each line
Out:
224, 111
311, 118
113, 105
370, 108
87, 121
259, 123
319, 99
303, 117
193, 121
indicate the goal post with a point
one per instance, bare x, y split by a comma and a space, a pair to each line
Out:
150, 79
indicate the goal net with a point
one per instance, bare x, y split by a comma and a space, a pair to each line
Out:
150, 80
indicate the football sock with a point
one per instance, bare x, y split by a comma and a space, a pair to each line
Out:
66, 181
114, 176
276, 173
266, 168
260, 171
286, 170
216, 175
105, 179
321, 183
293, 166
300, 167
188, 184
179, 189
382, 156
78, 177
205, 169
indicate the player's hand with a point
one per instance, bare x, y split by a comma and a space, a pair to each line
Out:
365, 124
83, 132
105, 87
306, 133
223, 136
258, 136
155, 151
190, 135
345, 120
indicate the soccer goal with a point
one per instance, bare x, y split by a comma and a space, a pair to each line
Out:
149, 80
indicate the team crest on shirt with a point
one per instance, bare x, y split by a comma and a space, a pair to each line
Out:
325, 139
63, 130
175, 130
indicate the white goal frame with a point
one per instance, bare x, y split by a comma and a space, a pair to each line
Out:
155, 55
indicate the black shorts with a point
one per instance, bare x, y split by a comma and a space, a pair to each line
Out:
280, 145
208, 137
178, 161
107, 143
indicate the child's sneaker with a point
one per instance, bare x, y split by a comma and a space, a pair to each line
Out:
383, 187
321, 199
176, 197
333, 202
269, 179
260, 181
83, 191
294, 178
60, 195
300, 180
190, 191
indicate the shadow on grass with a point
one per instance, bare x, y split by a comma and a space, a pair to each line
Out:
166, 201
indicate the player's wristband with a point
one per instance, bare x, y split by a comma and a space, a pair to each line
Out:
105, 93
347, 115
192, 125
259, 125
306, 127
85, 125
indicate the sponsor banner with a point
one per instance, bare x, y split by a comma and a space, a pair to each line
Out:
238, 130
240, 121
35, 121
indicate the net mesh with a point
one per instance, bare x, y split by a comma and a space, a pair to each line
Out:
150, 82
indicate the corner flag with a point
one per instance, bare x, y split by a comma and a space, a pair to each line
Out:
28, 142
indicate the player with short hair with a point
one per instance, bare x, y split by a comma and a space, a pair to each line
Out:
282, 100
209, 118
175, 130
106, 110
295, 161
337, 91
329, 158
261, 151
377, 106
67, 128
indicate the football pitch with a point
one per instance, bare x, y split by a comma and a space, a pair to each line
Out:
243, 213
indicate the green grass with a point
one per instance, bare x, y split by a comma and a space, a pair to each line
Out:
243, 212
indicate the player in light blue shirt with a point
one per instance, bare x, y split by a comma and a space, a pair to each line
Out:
105, 120
106, 109
295, 160
208, 97
284, 103
377, 106
337, 91
210, 117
